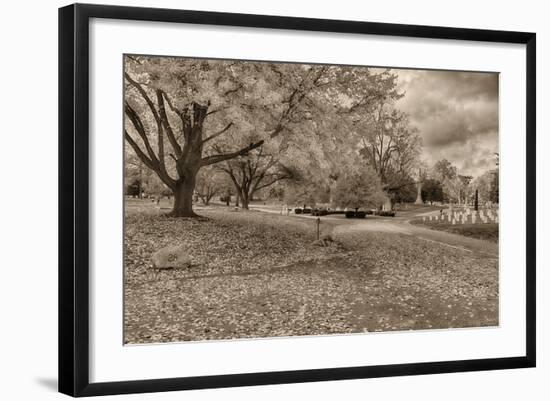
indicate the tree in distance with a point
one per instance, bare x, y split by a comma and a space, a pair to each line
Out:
210, 182
360, 188
178, 110
432, 191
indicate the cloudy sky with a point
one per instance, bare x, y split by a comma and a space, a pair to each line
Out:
456, 114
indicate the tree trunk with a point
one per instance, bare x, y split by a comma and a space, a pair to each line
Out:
183, 198
244, 201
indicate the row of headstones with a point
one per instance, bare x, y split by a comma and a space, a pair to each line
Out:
466, 216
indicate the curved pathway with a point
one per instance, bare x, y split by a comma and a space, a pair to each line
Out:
481, 247
400, 225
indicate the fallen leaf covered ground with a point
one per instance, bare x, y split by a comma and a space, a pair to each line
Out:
259, 275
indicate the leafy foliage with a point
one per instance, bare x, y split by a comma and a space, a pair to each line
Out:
432, 191
185, 114
359, 189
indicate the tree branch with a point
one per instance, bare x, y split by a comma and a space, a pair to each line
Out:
226, 156
164, 118
142, 156
218, 133
138, 125
145, 96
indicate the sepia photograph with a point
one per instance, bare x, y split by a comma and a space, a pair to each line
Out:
272, 199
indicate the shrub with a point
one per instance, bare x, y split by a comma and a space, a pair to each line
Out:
386, 213
298, 210
350, 214
319, 212
306, 211
360, 215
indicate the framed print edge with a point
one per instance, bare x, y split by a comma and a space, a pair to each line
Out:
74, 201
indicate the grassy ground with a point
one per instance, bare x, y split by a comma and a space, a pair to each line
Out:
259, 275
488, 231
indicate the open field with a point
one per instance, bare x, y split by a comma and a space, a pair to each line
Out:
486, 231
257, 274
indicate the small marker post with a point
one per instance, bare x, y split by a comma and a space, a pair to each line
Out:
318, 224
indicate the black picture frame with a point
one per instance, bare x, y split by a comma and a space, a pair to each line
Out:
74, 199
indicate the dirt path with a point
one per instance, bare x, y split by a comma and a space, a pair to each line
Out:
401, 225
472, 245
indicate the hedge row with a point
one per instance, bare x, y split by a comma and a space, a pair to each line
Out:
386, 213
356, 215
349, 214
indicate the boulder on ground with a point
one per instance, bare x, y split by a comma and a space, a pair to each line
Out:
171, 257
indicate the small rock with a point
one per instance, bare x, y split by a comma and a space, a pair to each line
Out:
171, 257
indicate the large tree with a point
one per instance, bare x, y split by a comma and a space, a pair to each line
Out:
360, 188
390, 145
484, 185
385, 138
177, 110
443, 170
447, 174
180, 111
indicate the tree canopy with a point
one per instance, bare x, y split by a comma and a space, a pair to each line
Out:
261, 122
359, 189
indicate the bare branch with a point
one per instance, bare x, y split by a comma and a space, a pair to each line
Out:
226, 156
136, 121
216, 111
134, 59
230, 91
161, 95
144, 95
217, 133
155, 166
142, 156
